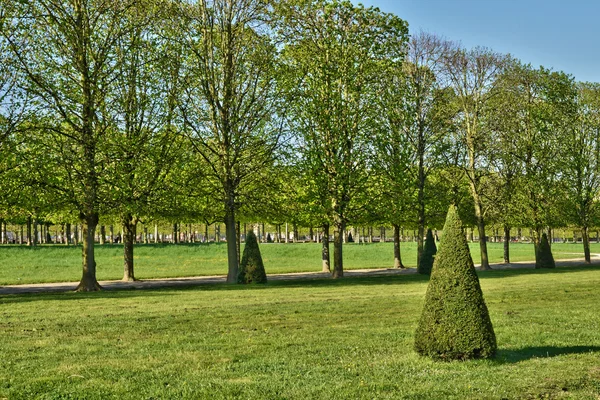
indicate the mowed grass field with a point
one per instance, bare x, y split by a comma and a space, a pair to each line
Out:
321, 339
52, 263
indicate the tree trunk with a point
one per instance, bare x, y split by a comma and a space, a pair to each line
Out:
238, 239
286, 233
129, 233
21, 235
397, 257
67, 234
586, 244
536, 237
218, 232
310, 234
295, 233
35, 232
370, 229
485, 263
206, 233
506, 244
102, 234
325, 249
175, 234
29, 238
338, 241
232, 253
88, 281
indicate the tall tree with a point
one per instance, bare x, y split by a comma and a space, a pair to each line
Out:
473, 75
229, 105
144, 138
66, 50
335, 53
582, 163
544, 110
418, 116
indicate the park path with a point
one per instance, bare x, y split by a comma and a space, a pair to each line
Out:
206, 280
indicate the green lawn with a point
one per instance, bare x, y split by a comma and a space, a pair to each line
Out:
21, 264
320, 339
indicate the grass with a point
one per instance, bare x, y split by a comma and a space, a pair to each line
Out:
322, 339
21, 264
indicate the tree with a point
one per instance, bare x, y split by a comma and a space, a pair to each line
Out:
229, 106
544, 112
455, 323
252, 269
426, 261
418, 115
582, 163
144, 139
334, 54
473, 75
66, 51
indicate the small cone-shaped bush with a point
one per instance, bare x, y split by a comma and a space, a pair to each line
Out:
429, 250
544, 258
454, 324
252, 269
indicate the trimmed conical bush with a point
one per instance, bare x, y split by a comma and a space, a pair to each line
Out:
252, 269
429, 250
544, 258
454, 324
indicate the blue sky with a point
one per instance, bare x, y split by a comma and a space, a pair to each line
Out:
558, 34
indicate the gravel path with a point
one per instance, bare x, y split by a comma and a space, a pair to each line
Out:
205, 280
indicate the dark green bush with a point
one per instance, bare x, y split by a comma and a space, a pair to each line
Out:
252, 269
544, 258
429, 250
454, 324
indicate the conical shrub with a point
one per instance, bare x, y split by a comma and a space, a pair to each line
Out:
252, 269
455, 323
429, 250
544, 258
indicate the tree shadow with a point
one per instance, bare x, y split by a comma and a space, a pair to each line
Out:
504, 356
129, 292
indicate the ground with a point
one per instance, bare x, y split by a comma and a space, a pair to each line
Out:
303, 339
21, 264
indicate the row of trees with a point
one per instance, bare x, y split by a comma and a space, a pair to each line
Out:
313, 112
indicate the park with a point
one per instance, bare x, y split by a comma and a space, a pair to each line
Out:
290, 199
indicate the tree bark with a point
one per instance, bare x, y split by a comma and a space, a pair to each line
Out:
67, 234
506, 244
485, 263
129, 233
230, 233
29, 238
102, 234
586, 244
88, 281
238, 239
325, 250
338, 260
35, 232
397, 256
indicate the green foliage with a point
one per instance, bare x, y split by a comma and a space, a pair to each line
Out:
544, 258
252, 269
429, 250
455, 323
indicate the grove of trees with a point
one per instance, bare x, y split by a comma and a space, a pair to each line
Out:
314, 113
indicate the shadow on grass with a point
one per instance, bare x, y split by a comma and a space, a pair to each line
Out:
121, 292
528, 353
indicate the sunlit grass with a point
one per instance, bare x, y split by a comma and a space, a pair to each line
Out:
21, 264
318, 339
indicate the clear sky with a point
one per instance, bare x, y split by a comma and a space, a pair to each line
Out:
558, 34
